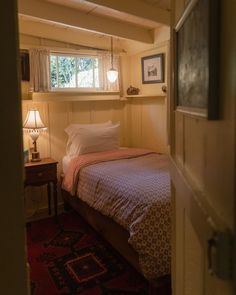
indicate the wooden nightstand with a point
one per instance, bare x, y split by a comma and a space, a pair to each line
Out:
40, 173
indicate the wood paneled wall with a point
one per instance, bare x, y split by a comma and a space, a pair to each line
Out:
147, 123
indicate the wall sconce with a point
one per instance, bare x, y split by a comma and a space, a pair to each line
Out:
34, 126
112, 74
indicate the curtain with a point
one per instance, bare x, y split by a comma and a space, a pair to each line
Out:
106, 61
39, 70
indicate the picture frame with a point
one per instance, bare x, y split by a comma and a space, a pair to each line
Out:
196, 39
153, 69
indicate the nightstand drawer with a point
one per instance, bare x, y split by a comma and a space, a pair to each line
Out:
39, 174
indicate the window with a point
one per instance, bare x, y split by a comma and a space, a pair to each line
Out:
74, 72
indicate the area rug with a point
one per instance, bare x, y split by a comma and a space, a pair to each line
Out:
69, 257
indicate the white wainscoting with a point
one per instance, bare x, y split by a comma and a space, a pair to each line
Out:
147, 123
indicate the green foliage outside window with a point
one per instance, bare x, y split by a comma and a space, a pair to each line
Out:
53, 69
74, 72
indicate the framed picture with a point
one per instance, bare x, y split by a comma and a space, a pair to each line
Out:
153, 69
197, 59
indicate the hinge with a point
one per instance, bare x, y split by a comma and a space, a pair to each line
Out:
220, 255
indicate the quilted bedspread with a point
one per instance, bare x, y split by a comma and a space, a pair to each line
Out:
133, 188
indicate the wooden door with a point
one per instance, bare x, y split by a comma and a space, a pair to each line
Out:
12, 222
203, 179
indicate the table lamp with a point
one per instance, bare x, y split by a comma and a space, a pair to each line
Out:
34, 126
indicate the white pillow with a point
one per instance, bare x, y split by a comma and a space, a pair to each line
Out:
73, 128
87, 140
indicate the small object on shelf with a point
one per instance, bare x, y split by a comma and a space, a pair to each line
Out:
133, 90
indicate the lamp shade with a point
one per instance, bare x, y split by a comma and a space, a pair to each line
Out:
33, 121
34, 125
112, 75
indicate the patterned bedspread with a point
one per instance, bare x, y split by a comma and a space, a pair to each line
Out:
134, 190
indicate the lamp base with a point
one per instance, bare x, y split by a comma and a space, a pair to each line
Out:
35, 157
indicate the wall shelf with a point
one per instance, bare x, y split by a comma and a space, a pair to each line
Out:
87, 96
145, 95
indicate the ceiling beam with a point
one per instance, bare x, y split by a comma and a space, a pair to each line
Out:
137, 8
74, 18
43, 30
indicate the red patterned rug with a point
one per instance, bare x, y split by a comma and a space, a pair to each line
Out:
71, 258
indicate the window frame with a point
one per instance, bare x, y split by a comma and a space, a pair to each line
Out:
77, 56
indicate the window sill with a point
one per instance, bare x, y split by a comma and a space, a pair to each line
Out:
76, 96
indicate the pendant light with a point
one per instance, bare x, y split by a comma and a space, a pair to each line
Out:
112, 74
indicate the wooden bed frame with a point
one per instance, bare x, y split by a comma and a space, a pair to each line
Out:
116, 235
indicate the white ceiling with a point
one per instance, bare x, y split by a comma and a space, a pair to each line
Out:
126, 19
95, 9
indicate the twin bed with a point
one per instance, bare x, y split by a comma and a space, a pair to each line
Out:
124, 193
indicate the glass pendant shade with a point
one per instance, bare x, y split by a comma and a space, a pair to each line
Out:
112, 74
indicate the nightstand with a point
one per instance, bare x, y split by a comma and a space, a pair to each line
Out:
41, 173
